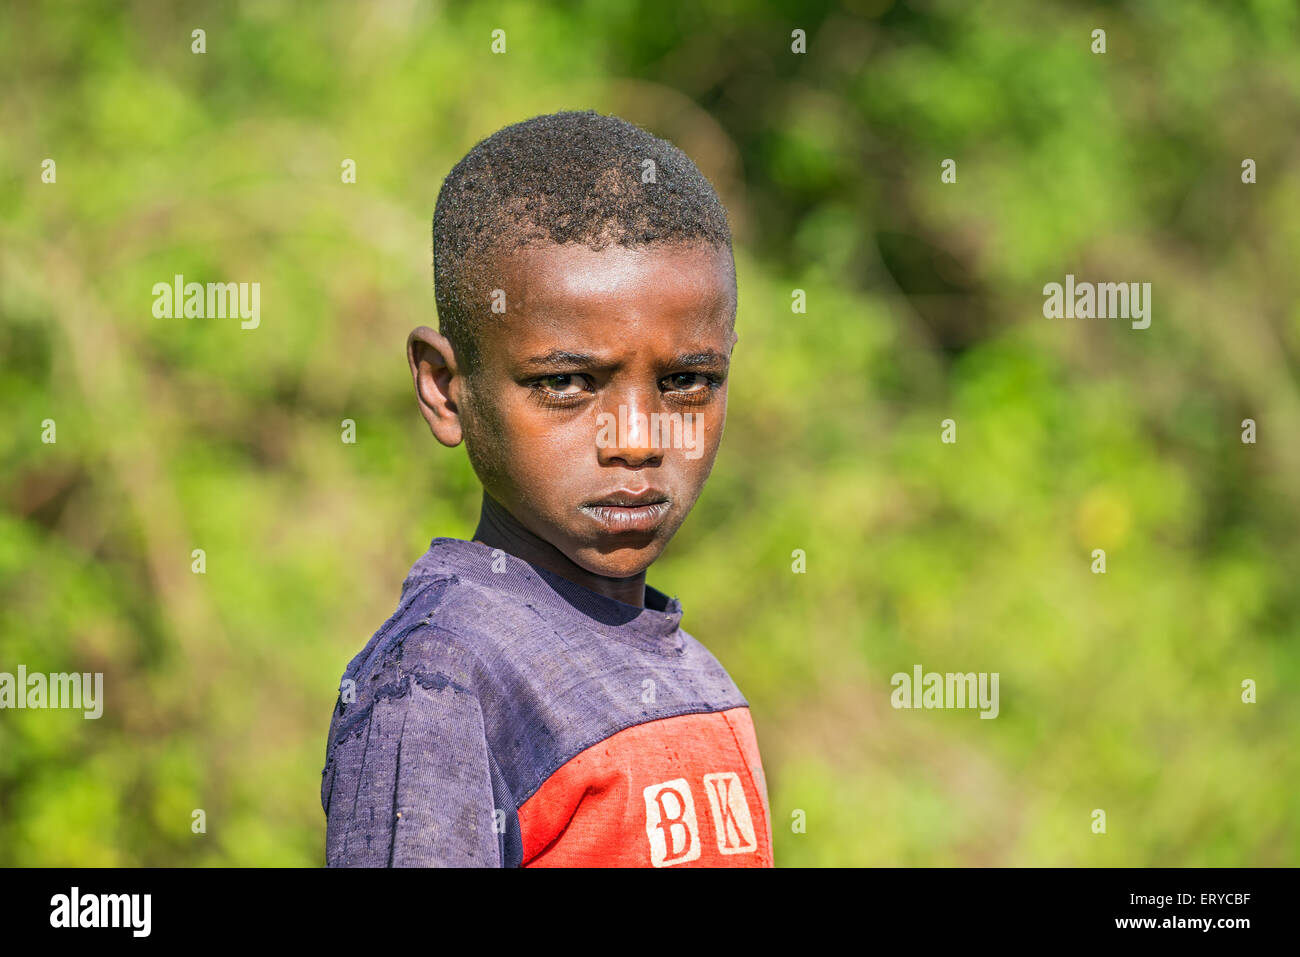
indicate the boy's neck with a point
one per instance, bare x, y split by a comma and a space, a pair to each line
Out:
497, 528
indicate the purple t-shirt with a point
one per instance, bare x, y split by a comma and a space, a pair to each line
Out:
506, 716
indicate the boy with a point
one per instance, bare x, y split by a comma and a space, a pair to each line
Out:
532, 701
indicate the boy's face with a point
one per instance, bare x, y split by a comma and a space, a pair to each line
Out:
605, 377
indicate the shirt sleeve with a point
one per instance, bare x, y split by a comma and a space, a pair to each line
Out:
408, 780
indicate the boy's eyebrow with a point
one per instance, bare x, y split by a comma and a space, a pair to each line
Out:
706, 358
564, 357
560, 357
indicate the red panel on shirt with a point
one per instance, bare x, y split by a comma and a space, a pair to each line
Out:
687, 791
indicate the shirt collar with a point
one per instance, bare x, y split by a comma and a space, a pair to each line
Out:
656, 624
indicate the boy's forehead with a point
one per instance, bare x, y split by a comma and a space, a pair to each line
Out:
540, 273
666, 294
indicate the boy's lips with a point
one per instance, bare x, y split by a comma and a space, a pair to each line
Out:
628, 511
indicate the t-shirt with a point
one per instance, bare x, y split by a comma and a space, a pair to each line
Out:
505, 716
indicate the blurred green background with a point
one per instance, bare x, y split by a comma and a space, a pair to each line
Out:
1119, 691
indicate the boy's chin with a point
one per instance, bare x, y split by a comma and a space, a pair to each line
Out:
621, 557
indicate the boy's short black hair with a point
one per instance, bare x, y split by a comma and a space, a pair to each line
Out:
560, 178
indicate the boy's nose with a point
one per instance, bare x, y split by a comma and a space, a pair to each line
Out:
625, 434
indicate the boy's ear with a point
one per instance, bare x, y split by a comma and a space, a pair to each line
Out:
434, 370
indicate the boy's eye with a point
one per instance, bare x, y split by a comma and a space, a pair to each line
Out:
686, 382
567, 384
